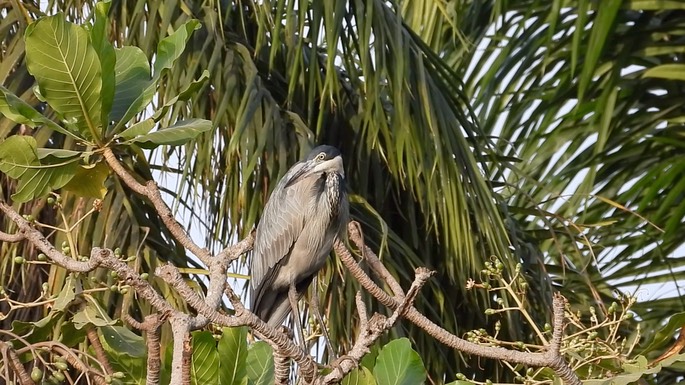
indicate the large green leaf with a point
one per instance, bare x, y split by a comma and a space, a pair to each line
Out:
133, 84
124, 341
178, 134
37, 331
168, 51
19, 160
205, 365
171, 47
233, 353
260, 364
21, 112
100, 38
67, 68
89, 181
399, 364
134, 367
666, 333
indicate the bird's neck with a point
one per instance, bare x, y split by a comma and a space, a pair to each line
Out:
333, 184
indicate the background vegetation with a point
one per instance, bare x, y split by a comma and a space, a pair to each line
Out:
544, 133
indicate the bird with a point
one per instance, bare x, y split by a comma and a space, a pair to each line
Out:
304, 215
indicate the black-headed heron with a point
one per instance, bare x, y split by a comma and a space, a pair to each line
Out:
304, 215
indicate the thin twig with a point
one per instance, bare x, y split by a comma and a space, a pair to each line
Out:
11, 238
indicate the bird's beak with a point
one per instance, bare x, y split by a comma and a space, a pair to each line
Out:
332, 165
309, 168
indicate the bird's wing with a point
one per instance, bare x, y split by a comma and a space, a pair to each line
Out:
279, 227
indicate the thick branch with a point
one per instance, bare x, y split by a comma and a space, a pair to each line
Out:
152, 326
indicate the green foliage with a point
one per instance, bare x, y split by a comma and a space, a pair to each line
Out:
398, 364
232, 350
19, 159
204, 368
82, 89
260, 364
67, 69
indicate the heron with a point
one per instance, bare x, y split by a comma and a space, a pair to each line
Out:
307, 211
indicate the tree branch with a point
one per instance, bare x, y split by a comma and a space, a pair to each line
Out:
151, 192
152, 326
242, 317
549, 359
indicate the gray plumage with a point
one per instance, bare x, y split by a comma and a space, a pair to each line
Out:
304, 215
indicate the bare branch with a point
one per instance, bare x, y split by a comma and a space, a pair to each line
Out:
151, 191
14, 363
371, 329
94, 340
355, 231
152, 326
548, 359
11, 238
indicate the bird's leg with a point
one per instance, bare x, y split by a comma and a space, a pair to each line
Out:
314, 306
292, 297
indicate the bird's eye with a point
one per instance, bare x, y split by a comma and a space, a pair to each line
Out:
321, 156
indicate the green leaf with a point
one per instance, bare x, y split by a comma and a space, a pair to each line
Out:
133, 367
68, 71
70, 336
178, 134
140, 128
37, 331
359, 376
16, 154
666, 333
169, 50
399, 364
133, 84
233, 352
185, 94
19, 160
205, 365
17, 110
171, 47
666, 71
260, 364
66, 295
89, 181
91, 315
105, 51
124, 341
57, 153
601, 28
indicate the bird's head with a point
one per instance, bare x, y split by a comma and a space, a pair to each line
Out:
321, 160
